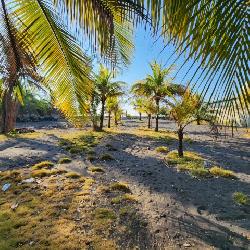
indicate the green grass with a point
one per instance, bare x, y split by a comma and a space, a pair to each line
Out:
124, 198
104, 214
44, 172
241, 198
221, 172
119, 186
194, 168
96, 170
189, 156
64, 160
162, 149
42, 165
73, 175
106, 157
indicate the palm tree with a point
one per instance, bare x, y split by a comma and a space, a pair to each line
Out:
156, 86
106, 88
214, 33
38, 45
112, 105
138, 104
184, 111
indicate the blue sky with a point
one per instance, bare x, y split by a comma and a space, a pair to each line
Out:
148, 49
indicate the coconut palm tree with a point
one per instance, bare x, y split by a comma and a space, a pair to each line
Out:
214, 33
156, 86
106, 88
138, 103
184, 111
112, 105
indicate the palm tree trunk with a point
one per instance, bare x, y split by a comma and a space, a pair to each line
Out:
109, 119
157, 116
9, 111
102, 114
116, 122
180, 137
149, 121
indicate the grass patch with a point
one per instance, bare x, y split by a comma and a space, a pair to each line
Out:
104, 214
194, 168
162, 149
73, 175
43, 165
96, 170
91, 158
173, 157
241, 198
64, 160
119, 186
218, 171
191, 162
44, 172
124, 198
106, 157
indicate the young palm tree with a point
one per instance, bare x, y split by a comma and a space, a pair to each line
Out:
138, 104
112, 105
183, 110
156, 86
106, 88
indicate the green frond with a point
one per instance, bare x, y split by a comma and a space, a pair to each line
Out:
62, 64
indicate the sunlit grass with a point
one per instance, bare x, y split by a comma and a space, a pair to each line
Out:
241, 198
162, 149
43, 164
221, 172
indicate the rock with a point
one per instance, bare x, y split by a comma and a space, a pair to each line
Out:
30, 180
6, 186
14, 205
187, 245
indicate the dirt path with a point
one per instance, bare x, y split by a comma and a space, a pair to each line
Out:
181, 211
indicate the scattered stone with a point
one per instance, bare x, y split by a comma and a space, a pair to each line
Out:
30, 180
14, 205
187, 245
6, 186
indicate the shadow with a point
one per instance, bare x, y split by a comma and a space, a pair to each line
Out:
147, 173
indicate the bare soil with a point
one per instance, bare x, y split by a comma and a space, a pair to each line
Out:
178, 210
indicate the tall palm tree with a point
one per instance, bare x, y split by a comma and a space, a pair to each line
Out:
214, 33
156, 86
106, 88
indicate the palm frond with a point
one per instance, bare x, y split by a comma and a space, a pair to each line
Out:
62, 64
216, 35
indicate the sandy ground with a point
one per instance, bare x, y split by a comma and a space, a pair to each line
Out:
181, 211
